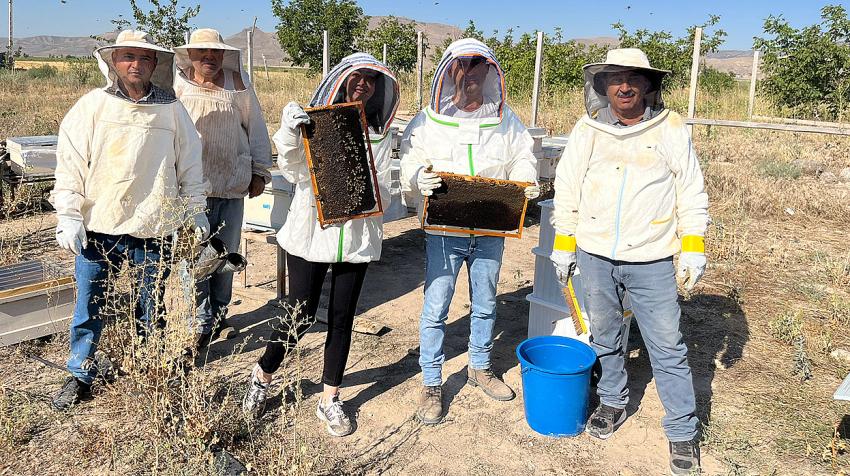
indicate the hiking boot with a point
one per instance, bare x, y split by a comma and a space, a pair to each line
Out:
334, 417
492, 385
224, 330
431, 410
201, 341
684, 458
254, 401
605, 420
73, 391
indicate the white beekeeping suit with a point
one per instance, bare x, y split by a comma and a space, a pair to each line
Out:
490, 142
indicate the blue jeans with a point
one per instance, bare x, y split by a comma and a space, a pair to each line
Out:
445, 255
213, 294
94, 270
653, 295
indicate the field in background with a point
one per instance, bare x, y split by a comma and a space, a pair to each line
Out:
765, 323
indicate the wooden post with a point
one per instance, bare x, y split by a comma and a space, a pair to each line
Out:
692, 96
9, 59
326, 54
538, 65
251, 56
187, 36
266, 67
419, 67
752, 101
384, 60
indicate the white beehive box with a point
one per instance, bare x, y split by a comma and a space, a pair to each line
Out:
33, 155
35, 300
268, 211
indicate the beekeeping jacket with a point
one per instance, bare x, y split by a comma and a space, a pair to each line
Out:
629, 193
233, 131
127, 168
496, 145
358, 240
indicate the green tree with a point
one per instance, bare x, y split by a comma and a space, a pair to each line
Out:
302, 21
807, 69
166, 22
668, 52
400, 39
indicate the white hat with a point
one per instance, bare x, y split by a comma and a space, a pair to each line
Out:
208, 38
623, 59
163, 74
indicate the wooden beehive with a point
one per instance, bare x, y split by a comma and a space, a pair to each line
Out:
342, 169
36, 300
477, 206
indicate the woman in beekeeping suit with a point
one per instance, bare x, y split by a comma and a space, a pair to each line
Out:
467, 129
346, 248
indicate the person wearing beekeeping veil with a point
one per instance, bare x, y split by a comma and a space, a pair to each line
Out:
128, 174
468, 129
629, 195
237, 157
345, 248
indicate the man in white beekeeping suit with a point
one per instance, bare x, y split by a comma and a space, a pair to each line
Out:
128, 174
467, 129
628, 196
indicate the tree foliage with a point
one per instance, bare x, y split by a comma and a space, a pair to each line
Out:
302, 21
668, 52
166, 22
807, 69
400, 39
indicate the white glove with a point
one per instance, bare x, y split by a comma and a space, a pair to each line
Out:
427, 181
532, 192
691, 268
293, 115
71, 235
565, 264
201, 226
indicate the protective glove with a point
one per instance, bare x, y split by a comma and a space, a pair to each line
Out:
201, 227
427, 181
691, 260
293, 116
71, 235
564, 257
532, 192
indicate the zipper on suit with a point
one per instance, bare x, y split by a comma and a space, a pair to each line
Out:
619, 209
339, 246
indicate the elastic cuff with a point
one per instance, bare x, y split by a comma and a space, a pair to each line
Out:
693, 244
565, 243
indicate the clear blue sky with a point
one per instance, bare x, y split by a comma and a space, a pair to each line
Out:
742, 19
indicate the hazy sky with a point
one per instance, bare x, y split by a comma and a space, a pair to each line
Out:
742, 19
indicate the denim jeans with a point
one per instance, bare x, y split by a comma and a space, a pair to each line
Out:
213, 294
652, 291
444, 257
94, 270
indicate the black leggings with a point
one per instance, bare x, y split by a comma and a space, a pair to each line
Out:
305, 288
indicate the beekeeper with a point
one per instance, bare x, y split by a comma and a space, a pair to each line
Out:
467, 129
345, 248
128, 174
220, 99
628, 196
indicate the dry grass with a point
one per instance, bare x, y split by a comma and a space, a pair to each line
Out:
777, 249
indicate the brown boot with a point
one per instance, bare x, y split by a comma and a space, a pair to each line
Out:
492, 386
431, 411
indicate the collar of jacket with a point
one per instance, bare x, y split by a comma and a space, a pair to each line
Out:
450, 121
626, 131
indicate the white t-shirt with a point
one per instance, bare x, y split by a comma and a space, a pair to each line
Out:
488, 109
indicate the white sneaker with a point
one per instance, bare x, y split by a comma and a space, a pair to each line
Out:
334, 417
254, 401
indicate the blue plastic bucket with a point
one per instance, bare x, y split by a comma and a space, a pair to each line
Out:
556, 383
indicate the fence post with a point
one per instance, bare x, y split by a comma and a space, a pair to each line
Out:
419, 67
251, 56
326, 54
384, 59
266, 67
752, 101
692, 95
538, 65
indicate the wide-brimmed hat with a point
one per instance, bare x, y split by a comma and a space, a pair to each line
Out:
208, 38
163, 74
623, 59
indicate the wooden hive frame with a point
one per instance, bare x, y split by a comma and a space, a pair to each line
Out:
324, 221
478, 231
